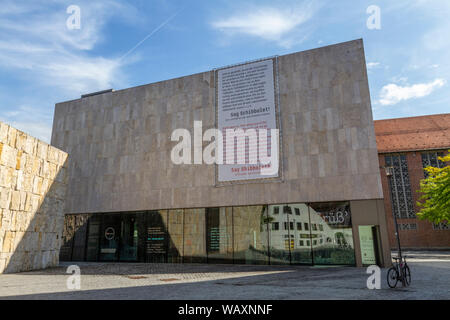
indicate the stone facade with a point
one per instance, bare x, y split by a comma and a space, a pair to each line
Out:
120, 145
32, 191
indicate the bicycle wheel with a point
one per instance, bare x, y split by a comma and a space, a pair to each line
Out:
407, 274
392, 277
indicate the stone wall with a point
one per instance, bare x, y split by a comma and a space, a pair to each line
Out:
32, 192
119, 142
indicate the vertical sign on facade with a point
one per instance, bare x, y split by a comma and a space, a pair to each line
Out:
246, 100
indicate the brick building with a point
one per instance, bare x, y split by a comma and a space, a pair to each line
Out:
408, 145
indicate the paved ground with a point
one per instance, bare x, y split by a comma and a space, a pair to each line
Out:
430, 280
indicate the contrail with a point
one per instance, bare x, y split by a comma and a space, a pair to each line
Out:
152, 33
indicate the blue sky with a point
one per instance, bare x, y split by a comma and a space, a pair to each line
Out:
122, 44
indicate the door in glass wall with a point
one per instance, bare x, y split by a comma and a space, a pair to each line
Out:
250, 235
110, 237
128, 238
219, 241
331, 233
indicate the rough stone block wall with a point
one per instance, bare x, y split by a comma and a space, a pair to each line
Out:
32, 191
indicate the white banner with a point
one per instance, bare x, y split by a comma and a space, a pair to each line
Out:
246, 101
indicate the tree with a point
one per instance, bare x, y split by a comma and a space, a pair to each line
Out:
435, 191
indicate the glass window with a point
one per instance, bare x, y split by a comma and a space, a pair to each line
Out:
128, 238
219, 235
194, 236
400, 187
93, 238
156, 238
175, 236
300, 254
441, 226
432, 159
250, 243
287, 209
276, 210
249, 234
279, 248
337, 247
109, 237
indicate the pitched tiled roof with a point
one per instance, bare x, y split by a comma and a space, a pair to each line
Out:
415, 133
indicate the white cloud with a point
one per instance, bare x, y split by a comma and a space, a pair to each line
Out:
392, 93
268, 23
39, 46
50, 61
372, 65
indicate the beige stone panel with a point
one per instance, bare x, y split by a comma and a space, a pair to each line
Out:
3, 132
12, 134
8, 241
8, 156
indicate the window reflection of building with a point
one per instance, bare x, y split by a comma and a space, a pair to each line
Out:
277, 234
320, 231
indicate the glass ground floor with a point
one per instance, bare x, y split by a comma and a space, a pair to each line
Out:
299, 233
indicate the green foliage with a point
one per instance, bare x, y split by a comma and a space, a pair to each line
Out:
435, 189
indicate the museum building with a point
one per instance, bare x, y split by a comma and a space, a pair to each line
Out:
323, 204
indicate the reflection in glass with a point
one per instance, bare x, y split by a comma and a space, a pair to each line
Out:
129, 238
333, 245
219, 232
250, 234
175, 232
278, 237
318, 233
156, 236
290, 245
93, 238
194, 236
109, 237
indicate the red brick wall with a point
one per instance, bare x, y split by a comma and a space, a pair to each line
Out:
424, 236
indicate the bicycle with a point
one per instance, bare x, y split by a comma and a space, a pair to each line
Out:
399, 271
